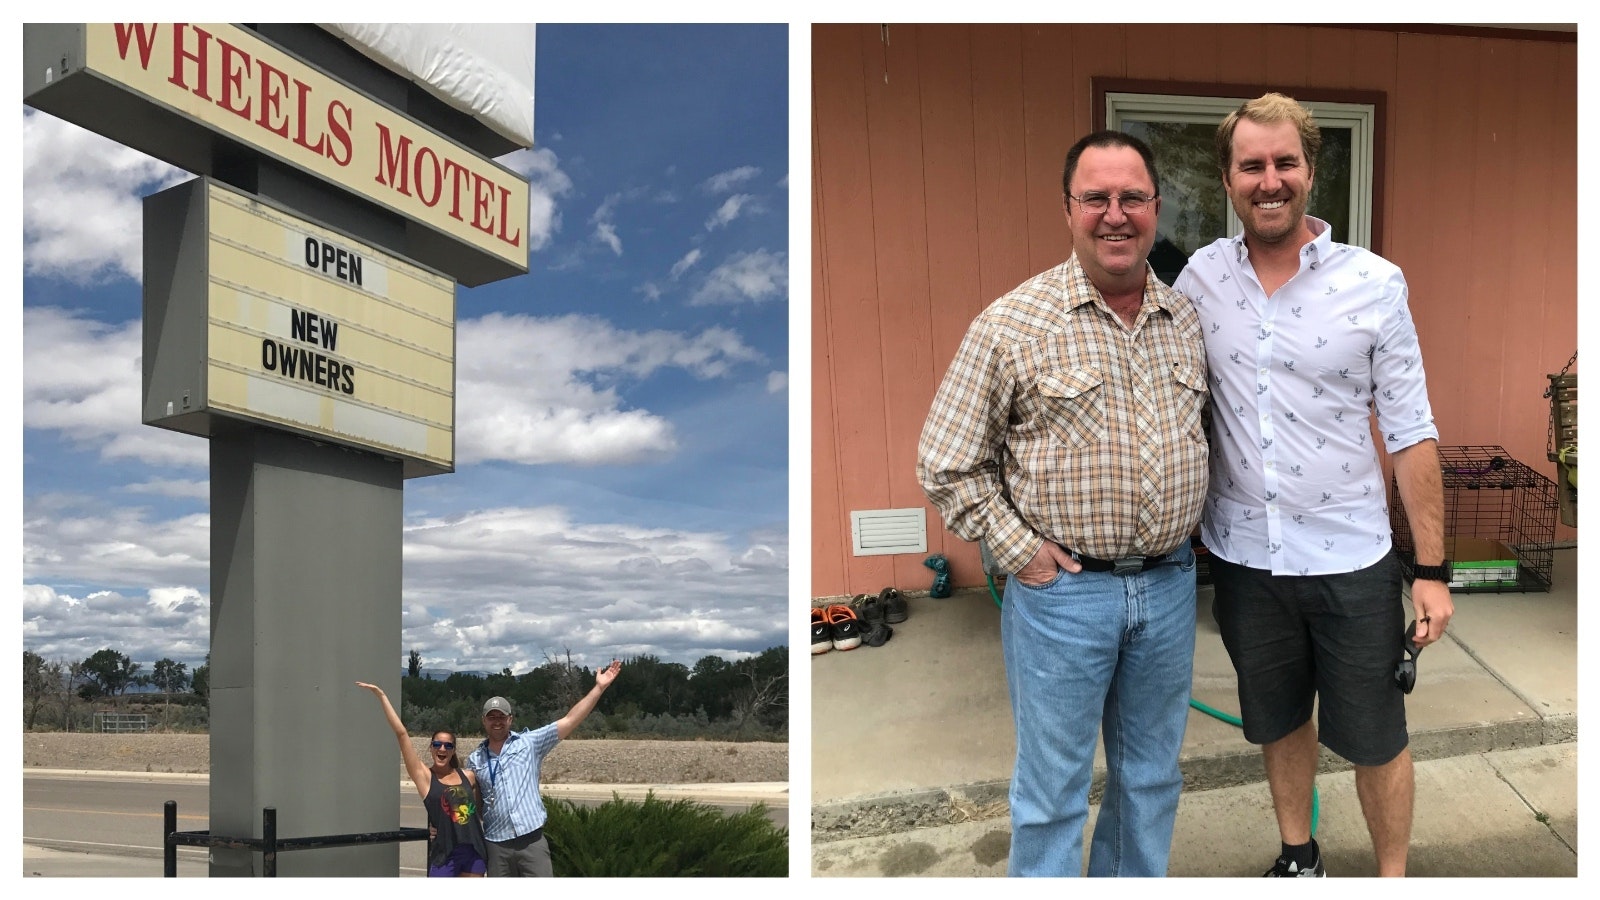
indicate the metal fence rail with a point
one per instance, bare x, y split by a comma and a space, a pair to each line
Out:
121, 723
269, 845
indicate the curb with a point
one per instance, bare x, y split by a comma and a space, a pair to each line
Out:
116, 775
896, 813
771, 793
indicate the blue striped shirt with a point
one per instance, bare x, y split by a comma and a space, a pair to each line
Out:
510, 782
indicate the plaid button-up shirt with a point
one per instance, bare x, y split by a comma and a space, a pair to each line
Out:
1055, 421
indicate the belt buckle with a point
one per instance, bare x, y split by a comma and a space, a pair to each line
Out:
1127, 565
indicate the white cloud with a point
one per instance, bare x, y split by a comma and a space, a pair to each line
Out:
82, 378
682, 265
494, 588
605, 230
722, 182
541, 582
534, 391
546, 185
730, 210
170, 622
753, 277
606, 233
86, 541
167, 487
777, 382
82, 210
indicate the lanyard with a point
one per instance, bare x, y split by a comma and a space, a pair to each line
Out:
493, 770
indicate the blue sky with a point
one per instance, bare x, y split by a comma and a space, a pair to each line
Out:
622, 409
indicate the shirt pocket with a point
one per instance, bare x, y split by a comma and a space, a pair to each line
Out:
1191, 390
1073, 403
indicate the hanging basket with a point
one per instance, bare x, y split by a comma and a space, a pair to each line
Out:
1563, 444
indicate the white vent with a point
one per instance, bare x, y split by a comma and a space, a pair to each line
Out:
878, 532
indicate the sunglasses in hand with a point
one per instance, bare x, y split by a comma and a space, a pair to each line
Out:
1405, 673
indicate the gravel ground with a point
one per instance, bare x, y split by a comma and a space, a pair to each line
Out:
572, 762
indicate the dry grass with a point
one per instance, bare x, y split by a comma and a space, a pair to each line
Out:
572, 762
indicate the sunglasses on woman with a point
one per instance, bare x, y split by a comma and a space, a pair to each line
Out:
444, 745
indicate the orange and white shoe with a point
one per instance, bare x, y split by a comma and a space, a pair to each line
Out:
846, 627
821, 631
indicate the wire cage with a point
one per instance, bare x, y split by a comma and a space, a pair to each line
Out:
1489, 496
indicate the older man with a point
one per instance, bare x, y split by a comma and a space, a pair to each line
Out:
1067, 436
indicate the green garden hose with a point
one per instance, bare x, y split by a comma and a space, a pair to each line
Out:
1213, 713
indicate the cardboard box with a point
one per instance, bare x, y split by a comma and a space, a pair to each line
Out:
1478, 562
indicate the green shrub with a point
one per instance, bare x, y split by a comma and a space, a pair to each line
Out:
656, 838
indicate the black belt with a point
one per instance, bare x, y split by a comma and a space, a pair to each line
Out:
527, 840
1126, 565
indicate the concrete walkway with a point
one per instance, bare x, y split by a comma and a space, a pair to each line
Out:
915, 735
1499, 814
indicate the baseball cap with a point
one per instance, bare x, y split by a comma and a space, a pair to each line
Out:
499, 704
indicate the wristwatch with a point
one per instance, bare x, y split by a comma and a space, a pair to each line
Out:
1440, 572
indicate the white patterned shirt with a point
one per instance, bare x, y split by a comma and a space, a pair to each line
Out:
1296, 486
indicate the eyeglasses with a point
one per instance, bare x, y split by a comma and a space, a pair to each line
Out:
444, 745
1096, 202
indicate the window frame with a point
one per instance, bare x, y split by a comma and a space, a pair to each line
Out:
1364, 112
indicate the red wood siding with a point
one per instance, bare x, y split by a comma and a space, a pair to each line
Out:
936, 172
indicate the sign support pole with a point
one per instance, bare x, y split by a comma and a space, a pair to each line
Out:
305, 588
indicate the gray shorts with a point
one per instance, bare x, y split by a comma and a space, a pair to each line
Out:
524, 856
1332, 639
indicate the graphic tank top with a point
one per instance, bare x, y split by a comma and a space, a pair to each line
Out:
454, 815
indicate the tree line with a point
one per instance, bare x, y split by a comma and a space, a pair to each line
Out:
61, 693
746, 699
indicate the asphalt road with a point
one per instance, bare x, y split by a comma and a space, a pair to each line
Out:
124, 818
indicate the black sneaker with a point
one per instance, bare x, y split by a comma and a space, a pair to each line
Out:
894, 606
1283, 868
821, 632
869, 609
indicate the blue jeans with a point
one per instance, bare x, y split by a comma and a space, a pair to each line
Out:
1088, 651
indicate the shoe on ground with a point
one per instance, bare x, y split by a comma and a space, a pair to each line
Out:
895, 609
846, 627
821, 632
876, 634
869, 609
1283, 868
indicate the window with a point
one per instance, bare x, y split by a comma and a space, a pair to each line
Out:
1195, 211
